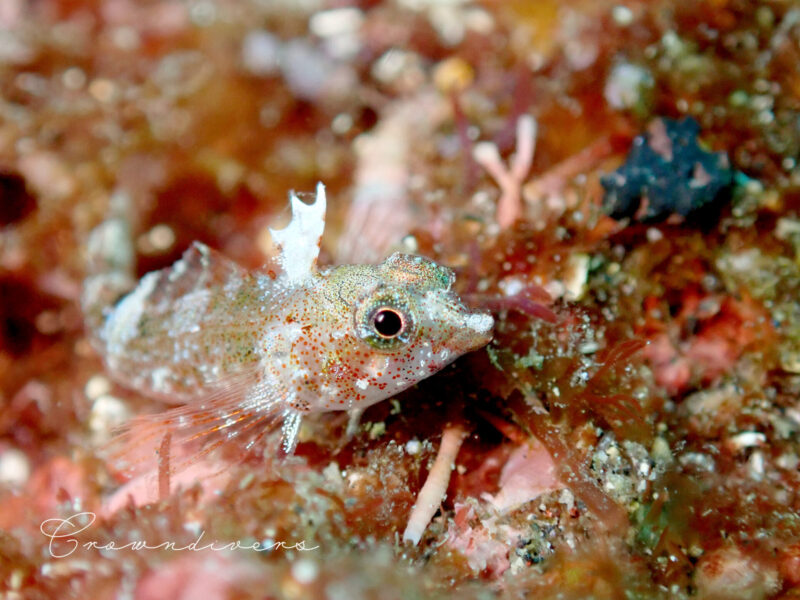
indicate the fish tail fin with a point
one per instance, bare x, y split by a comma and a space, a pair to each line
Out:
110, 264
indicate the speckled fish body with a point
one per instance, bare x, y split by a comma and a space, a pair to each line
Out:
244, 350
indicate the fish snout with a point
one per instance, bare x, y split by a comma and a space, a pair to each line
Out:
477, 331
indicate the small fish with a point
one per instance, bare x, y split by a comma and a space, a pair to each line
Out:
248, 351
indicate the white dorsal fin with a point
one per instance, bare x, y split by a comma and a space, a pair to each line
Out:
298, 243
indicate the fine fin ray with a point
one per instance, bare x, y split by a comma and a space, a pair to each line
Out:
290, 429
240, 413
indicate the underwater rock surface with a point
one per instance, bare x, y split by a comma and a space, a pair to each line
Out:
668, 173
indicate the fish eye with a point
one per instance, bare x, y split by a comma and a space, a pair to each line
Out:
386, 319
388, 323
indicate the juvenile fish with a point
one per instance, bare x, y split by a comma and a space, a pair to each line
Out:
247, 351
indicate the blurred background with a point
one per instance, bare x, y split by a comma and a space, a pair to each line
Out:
481, 134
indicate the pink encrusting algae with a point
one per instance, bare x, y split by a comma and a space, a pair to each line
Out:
247, 351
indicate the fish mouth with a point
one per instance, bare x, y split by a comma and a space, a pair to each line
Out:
477, 331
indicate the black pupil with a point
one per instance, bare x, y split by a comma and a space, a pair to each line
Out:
388, 323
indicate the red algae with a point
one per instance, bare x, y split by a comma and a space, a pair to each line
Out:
631, 431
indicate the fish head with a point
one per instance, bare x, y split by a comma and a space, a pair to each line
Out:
436, 316
410, 323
